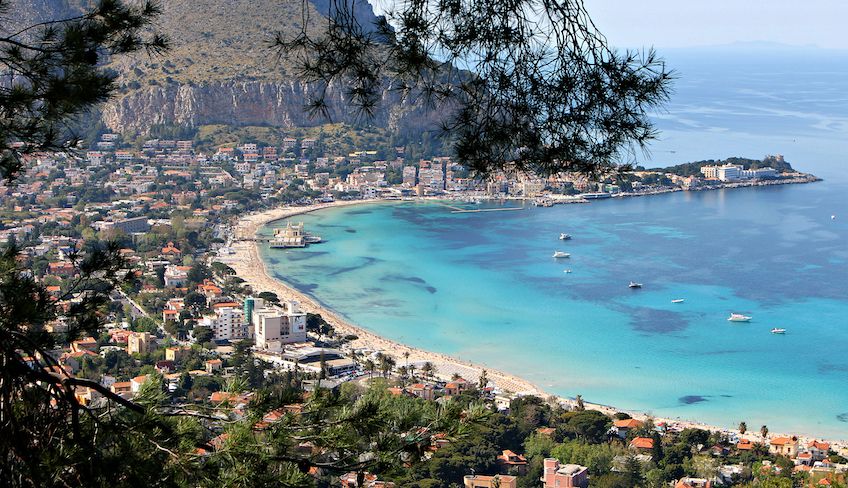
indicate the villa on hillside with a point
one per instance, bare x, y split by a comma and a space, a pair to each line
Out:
623, 426
785, 446
556, 475
512, 463
642, 443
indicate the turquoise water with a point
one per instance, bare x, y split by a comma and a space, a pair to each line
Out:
483, 287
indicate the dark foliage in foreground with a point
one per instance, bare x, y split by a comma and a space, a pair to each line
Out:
53, 71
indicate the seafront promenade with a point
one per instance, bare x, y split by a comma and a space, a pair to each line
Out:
247, 263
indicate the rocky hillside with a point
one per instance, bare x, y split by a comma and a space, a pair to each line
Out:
221, 69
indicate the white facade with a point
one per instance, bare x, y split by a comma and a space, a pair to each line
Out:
276, 326
733, 172
729, 172
227, 324
758, 174
175, 275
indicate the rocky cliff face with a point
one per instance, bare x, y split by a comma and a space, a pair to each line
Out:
221, 70
240, 103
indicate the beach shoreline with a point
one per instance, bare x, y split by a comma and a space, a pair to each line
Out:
248, 264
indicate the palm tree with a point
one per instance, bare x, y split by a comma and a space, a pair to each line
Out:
411, 369
764, 431
743, 427
455, 376
386, 364
428, 369
406, 357
580, 405
369, 365
403, 372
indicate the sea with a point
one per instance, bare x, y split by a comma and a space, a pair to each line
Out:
484, 287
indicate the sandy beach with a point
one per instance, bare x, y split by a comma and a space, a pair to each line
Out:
249, 266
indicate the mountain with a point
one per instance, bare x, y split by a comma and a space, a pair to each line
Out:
221, 70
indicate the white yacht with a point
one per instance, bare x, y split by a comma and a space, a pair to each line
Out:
564, 237
633, 284
678, 300
777, 330
566, 271
561, 254
738, 317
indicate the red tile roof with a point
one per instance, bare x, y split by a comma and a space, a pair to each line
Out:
642, 443
627, 423
781, 441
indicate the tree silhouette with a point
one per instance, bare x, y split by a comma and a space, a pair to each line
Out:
528, 85
53, 71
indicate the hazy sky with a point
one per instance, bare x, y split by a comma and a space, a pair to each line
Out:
685, 23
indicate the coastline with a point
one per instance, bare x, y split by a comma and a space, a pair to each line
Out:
249, 266
247, 263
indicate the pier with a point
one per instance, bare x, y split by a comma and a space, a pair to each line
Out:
455, 209
474, 210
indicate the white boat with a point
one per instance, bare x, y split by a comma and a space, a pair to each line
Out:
566, 271
564, 237
778, 331
633, 284
833, 217
560, 254
738, 317
678, 300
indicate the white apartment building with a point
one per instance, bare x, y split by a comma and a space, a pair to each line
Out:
227, 324
728, 172
733, 172
759, 174
277, 326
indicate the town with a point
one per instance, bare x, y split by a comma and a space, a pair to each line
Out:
190, 325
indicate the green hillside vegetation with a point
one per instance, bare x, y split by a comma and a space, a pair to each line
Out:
694, 168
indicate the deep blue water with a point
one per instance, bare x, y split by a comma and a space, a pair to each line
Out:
484, 287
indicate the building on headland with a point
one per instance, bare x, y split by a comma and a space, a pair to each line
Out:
735, 172
276, 326
556, 475
482, 481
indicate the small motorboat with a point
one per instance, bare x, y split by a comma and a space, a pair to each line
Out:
738, 317
777, 330
560, 254
678, 300
566, 271
633, 284
564, 237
